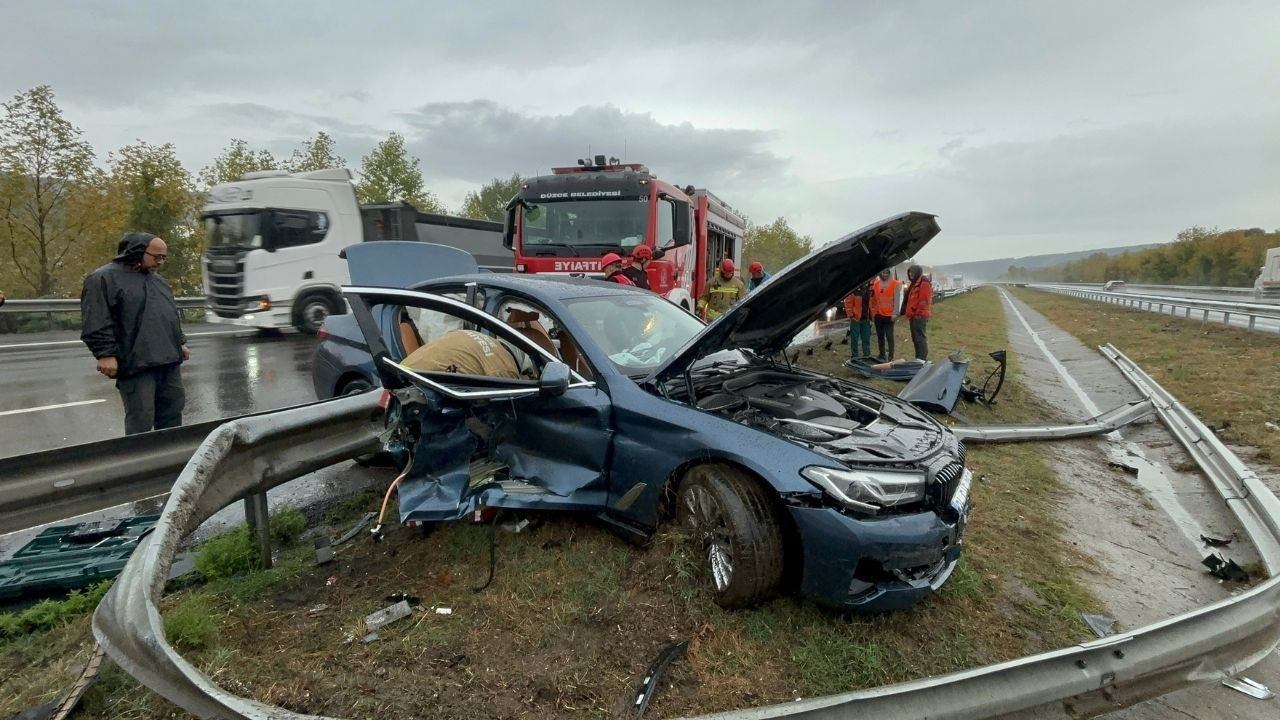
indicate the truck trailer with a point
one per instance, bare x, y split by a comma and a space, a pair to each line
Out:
273, 244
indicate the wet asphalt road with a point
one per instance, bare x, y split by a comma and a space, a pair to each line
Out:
229, 374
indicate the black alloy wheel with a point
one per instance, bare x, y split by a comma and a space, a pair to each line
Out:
736, 531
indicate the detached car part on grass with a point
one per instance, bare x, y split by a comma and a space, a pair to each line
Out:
1084, 680
636, 404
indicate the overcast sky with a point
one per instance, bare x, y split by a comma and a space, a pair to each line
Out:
1027, 127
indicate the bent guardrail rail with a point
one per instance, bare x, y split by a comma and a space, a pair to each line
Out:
1104, 423
243, 457
51, 485
251, 455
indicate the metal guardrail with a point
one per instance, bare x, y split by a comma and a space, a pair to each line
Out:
51, 485
1247, 315
51, 306
241, 458
1104, 423
1182, 288
251, 455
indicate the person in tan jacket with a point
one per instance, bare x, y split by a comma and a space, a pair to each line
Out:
468, 352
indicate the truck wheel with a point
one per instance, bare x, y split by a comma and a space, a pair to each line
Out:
736, 532
310, 313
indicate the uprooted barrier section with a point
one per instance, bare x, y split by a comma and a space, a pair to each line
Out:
253, 454
1106, 422
241, 458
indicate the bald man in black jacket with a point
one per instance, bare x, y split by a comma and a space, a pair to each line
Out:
132, 326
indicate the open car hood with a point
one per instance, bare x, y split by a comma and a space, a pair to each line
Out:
774, 313
404, 264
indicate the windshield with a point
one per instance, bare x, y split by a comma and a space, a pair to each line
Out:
637, 331
238, 230
587, 224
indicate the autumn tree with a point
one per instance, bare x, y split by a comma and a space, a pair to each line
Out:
234, 162
318, 153
388, 174
156, 194
50, 192
490, 201
775, 245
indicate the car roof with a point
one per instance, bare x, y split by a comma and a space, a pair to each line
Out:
556, 287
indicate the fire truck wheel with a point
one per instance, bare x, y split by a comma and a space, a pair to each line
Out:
734, 530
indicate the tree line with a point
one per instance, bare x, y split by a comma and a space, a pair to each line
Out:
1199, 256
62, 211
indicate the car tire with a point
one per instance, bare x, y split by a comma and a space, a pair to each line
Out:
735, 531
310, 312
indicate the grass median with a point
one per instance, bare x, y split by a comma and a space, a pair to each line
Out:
574, 615
1229, 377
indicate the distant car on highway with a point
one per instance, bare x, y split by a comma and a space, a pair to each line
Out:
636, 413
1114, 286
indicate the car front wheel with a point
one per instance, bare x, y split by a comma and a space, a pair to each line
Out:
734, 528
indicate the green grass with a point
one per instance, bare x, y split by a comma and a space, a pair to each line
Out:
192, 624
235, 552
48, 614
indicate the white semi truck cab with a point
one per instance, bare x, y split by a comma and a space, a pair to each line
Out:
1268, 283
273, 242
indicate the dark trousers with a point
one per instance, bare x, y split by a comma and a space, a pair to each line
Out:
918, 337
859, 338
153, 399
884, 336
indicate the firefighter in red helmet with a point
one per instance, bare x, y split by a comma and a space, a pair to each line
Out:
611, 266
637, 271
724, 289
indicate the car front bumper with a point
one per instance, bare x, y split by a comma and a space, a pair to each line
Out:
878, 564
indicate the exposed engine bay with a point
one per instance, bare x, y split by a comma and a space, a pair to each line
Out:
848, 421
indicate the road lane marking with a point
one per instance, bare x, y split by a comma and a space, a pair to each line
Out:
51, 407
55, 343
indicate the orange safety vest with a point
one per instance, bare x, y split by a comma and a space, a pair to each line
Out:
882, 297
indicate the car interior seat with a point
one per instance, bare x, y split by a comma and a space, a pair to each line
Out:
527, 322
409, 336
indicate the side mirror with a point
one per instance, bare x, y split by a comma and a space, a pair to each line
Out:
554, 380
509, 225
681, 226
659, 253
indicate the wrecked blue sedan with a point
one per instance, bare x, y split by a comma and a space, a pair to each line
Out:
634, 411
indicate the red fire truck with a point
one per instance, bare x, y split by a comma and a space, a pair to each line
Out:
565, 222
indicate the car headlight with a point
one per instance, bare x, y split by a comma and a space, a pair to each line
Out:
867, 490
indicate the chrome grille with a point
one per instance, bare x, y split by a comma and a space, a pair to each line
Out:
226, 283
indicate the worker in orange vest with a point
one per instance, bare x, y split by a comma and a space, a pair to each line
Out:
917, 306
857, 307
884, 294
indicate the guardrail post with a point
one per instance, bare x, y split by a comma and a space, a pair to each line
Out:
48, 318
259, 522
1226, 318
1252, 320
1206, 316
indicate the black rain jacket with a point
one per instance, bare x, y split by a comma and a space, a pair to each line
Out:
131, 315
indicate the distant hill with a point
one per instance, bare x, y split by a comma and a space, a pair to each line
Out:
993, 269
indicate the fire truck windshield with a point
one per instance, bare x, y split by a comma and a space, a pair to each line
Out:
585, 224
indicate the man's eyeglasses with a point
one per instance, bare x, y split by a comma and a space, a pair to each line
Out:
159, 258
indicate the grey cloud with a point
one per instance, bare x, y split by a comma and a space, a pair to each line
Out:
482, 139
1112, 186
